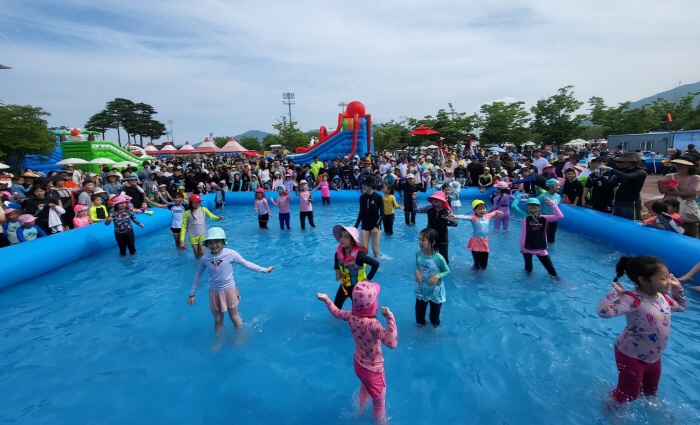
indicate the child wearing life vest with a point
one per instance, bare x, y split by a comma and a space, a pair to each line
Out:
194, 221
369, 335
262, 208
351, 262
533, 240
648, 310
501, 202
479, 242
431, 268
282, 203
223, 292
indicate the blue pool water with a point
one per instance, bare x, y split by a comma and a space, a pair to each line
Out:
111, 340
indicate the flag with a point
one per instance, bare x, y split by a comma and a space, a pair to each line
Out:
670, 119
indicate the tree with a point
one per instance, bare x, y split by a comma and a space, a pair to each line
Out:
23, 131
504, 123
250, 143
138, 120
289, 136
390, 135
101, 122
153, 129
119, 112
555, 119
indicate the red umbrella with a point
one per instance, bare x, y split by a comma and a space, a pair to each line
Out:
421, 131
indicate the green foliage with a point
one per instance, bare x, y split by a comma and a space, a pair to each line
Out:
101, 122
250, 143
220, 141
135, 118
463, 126
504, 123
289, 136
23, 131
555, 119
390, 135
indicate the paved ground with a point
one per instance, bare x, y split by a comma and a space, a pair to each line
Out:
650, 189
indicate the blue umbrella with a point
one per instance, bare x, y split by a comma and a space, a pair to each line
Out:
496, 149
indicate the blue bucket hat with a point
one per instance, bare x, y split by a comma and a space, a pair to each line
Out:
552, 182
530, 201
215, 233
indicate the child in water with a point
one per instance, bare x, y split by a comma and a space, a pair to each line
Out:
389, 205
648, 312
533, 240
479, 242
194, 221
351, 262
501, 202
431, 268
369, 335
123, 232
439, 218
262, 208
553, 187
306, 209
282, 203
370, 216
223, 293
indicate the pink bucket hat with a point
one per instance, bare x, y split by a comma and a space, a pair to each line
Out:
364, 299
26, 218
118, 200
501, 185
79, 208
260, 190
354, 234
440, 196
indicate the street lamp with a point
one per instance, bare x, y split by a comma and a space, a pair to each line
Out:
342, 106
172, 137
288, 99
452, 109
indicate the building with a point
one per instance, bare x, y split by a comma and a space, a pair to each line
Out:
657, 141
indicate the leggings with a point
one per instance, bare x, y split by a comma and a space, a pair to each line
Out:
505, 220
551, 231
481, 260
422, 306
373, 385
326, 200
262, 220
284, 219
344, 292
125, 240
410, 217
442, 249
635, 375
388, 221
302, 217
544, 259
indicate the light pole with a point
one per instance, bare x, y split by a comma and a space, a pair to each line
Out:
452, 109
288, 99
342, 106
172, 137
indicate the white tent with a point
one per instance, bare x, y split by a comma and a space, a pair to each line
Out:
150, 148
186, 148
168, 148
529, 143
233, 146
576, 142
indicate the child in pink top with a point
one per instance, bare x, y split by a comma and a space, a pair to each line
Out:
648, 311
262, 208
325, 188
369, 335
305, 207
81, 218
283, 204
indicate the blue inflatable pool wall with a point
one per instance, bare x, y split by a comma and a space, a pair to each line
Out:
625, 235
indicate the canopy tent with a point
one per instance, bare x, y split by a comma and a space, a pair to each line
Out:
186, 149
168, 148
101, 161
207, 147
252, 153
576, 142
529, 143
150, 149
232, 147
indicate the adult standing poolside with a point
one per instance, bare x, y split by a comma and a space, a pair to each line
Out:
631, 176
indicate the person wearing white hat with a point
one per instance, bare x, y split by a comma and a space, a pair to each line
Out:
223, 292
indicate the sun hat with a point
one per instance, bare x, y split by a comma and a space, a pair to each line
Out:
551, 182
681, 162
501, 185
476, 203
215, 233
364, 299
356, 168
260, 190
58, 177
11, 210
440, 196
30, 175
130, 178
533, 201
162, 185
79, 208
98, 190
26, 218
410, 176
547, 165
338, 230
118, 200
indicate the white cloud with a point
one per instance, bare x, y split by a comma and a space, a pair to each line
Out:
215, 66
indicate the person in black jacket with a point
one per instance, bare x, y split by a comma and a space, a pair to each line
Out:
439, 218
631, 176
410, 194
370, 215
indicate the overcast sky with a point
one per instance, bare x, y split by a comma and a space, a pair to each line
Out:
221, 66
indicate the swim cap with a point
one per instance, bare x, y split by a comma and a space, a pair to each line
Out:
552, 182
533, 201
476, 203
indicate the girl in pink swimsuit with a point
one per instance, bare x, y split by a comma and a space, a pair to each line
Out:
369, 335
648, 311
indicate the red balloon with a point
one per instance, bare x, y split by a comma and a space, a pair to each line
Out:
355, 107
